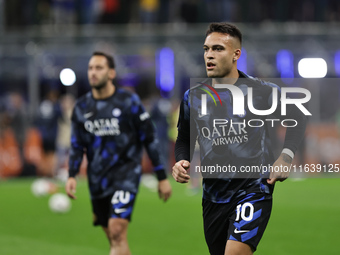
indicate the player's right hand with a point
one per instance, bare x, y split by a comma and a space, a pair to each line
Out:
179, 171
283, 162
70, 187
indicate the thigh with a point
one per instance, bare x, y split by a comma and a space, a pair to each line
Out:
234, 247
117, 227
249, 219
216, 224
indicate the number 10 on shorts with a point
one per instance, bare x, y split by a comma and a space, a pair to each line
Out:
241, 210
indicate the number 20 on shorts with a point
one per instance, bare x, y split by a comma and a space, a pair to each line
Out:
121, 196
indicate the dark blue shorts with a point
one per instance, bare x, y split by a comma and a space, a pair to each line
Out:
118, 205
243, 220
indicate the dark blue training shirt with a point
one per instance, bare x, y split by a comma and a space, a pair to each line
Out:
235, 145
112, 133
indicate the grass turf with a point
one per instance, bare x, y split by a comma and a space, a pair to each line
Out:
305, 220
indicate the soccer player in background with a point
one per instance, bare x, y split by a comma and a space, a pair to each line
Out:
111, 126
235, 210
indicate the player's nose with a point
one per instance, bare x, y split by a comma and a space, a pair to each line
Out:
209, 54
92, 73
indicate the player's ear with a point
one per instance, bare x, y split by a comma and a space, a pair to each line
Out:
237, 54
112, 73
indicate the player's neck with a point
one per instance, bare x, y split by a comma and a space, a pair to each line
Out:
104, 92
230, 78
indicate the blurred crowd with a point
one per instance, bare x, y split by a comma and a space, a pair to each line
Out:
21, 13
34, 145
39, 145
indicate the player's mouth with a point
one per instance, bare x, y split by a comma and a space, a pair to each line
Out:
210, 66
93, 80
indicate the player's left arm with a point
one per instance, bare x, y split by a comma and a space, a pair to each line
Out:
293, 138
147, 136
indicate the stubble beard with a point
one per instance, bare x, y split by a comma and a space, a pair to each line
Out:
99, 86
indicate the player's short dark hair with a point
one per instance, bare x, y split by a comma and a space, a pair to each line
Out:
110, 61
225, 28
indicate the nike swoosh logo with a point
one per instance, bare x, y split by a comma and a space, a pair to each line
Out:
88, 115
120, 210
240, 231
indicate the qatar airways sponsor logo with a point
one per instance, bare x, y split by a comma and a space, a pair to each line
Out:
225, 132
103, 127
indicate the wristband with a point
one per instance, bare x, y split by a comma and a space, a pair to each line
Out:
288, 152
161, 175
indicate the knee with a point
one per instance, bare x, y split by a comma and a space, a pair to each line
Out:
117, 233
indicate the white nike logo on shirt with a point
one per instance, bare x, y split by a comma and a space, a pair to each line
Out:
88, 115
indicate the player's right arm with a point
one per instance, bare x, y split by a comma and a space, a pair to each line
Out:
184, 146
76, 154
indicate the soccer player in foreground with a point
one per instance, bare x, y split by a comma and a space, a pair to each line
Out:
111, 126
236, 208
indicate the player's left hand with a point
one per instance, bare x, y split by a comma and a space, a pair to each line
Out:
164, 190
281, 169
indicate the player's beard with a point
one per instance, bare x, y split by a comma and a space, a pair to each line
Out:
100, 85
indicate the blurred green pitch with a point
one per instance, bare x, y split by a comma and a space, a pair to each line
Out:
305, 220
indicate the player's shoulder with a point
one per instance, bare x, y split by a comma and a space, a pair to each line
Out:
127, 97
198, 85
83, 101
257, 82
124, 93
197, 88
82, 106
